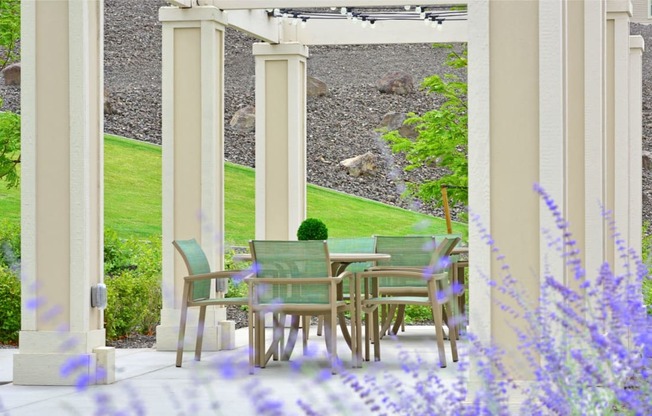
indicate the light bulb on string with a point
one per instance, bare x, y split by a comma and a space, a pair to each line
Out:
407, 7
440, 25
295, 21
422, 14
372, 23
333, 8
426, 21
355, 18
343, 10
418, 9
303, 22
365, 23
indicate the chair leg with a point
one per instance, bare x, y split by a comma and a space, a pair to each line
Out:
252, 343
399, 322
182, 323
439, 329
200, 332
375, 325
306, 333
387, 320
332, 343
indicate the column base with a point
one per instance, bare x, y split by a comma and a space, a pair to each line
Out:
52, 358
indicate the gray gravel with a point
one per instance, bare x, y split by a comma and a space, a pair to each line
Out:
340, 125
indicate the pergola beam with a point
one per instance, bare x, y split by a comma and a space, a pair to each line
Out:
344, 32
290, 4
255, 23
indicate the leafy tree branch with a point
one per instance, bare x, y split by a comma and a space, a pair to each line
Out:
442, 135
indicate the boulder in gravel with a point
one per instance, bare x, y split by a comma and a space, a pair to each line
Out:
360, 165
396, 82
109, 107
316, 87
244, 119
647, 160
394, 121
11, 74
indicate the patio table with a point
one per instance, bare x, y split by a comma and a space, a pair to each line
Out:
339, 262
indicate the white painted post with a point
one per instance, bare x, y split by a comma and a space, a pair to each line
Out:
193, 159
280, 139
61, 193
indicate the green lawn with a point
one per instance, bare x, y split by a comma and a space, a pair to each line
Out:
132, 201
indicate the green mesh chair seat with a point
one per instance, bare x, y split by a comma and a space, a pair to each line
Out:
197, 291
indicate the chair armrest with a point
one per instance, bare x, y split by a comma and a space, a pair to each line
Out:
213, 275
291, 280
400, 272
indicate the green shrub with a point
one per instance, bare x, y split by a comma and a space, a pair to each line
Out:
132, 270
9, 244
134, 304
312, 229
9, 306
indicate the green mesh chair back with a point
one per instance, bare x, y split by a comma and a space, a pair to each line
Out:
352, 245
291, 259
445, 245
408, 251
197, 263
440, 237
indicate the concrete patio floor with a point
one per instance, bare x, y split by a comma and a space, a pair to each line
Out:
148, 383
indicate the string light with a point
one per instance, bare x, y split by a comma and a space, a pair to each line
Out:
303, 22
440, 25
418, 9
407, 7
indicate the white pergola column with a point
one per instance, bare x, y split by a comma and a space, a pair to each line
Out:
280, 139
62, 195
549, 104
636, 48
193, 159
617, 126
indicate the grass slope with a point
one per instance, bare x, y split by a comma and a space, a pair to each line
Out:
132, 201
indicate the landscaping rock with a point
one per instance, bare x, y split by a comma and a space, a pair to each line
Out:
316, 87
11, 74
360, 165
244, 119
396, 82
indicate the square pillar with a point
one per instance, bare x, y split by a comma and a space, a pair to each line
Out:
617, 128
193, 159
62, 205
636, 48
280, 139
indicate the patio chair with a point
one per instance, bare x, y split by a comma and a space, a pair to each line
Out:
407, 281
407, 252
292, 277
197, 291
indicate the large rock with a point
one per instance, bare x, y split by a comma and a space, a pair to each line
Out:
244, 119
360, 165
647, 160
396, 82
394, 121
316, 87
109, 107
11, 74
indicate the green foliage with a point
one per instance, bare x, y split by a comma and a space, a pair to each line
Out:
443, 136
9, 31
417, 314
134, 304
9, 306
133, 279
9, 148
646, 250
312, 229
9, 244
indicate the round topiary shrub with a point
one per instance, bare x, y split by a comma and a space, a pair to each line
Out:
312, 229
